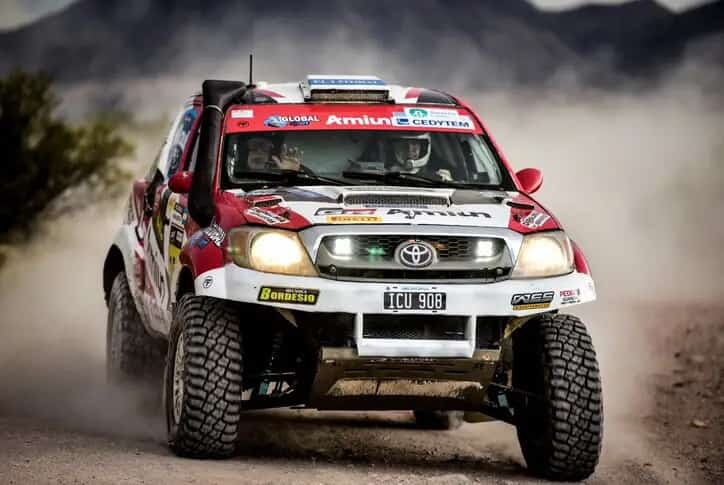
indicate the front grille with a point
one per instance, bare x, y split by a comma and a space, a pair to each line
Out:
396, 200
371, 257
468, 275
383, 245
430, 327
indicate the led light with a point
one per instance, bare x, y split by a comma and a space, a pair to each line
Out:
486, 248
342, 246
376, 251
270, 251
544, 254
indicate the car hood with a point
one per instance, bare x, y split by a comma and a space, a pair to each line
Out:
300, 207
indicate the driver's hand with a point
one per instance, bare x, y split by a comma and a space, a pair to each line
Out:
444, 175
290, 158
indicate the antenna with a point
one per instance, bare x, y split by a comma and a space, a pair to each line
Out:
251, 68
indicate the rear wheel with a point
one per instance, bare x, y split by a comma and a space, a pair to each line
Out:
131, 353
438, 419
204, 378
560, 417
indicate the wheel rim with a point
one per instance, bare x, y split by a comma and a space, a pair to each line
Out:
178, 379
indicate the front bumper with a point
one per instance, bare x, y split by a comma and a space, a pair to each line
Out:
469, 300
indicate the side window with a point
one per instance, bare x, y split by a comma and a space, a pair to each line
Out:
178, 140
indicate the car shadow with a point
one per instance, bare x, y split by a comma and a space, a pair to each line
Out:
391, 440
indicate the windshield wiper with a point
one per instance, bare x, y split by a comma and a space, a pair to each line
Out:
288, 176
410, 177
388, 177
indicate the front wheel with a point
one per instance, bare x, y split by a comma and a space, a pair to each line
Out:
204, 378
560, 416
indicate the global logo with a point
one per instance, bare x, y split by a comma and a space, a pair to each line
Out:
415, 254
418, 113
275, 122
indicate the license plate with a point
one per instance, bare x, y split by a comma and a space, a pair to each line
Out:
418, 300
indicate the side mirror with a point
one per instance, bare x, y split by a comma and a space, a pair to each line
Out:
180, 183
530, 179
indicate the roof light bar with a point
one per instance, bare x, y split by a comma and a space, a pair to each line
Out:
345, 89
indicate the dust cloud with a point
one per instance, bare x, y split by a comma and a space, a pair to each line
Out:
635, 177
637, 180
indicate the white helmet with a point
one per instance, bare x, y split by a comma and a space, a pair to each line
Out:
411, 150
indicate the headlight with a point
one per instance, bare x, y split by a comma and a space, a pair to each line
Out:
544, 254
270, 251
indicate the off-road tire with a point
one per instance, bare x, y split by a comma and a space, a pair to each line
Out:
560, 431
131, 353
206, 425
443, 420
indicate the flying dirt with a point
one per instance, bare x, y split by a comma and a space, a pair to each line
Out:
637, 180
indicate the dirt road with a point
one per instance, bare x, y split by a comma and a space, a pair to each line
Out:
294, 447
308, 447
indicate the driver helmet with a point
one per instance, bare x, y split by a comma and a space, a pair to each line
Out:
411, 151
259, 152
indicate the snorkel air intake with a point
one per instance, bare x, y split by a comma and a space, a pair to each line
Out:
218, 96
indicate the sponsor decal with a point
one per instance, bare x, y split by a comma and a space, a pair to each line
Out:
278, 121
532, 301
301, 296
339, 211
363, 120
179, 214
266, 216
438, 113
176, 236
418, 113
242, 113
570, 297
345, 82
353, 219
199, 240
208, 281
534, 220
460, 122
411, 214
432, 117
158, 277
215, 233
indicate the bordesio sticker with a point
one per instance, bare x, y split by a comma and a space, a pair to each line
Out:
357, 117
301, 296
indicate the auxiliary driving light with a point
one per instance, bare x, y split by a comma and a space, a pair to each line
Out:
486, 248
342, 246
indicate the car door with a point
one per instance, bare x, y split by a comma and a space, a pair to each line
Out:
164, 228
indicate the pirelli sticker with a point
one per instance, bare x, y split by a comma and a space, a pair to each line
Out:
353, 219
299, 296
532, 301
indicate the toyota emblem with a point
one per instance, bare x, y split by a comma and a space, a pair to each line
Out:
415, 254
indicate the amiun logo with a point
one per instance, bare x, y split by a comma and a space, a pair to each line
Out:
400, 119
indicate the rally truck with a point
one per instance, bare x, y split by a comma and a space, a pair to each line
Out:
341, 243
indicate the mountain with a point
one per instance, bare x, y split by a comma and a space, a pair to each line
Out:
486, 43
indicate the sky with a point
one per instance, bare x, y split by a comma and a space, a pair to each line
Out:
14, 13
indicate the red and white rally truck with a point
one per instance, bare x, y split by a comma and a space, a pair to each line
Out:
345, 244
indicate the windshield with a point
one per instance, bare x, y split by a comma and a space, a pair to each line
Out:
383, 157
